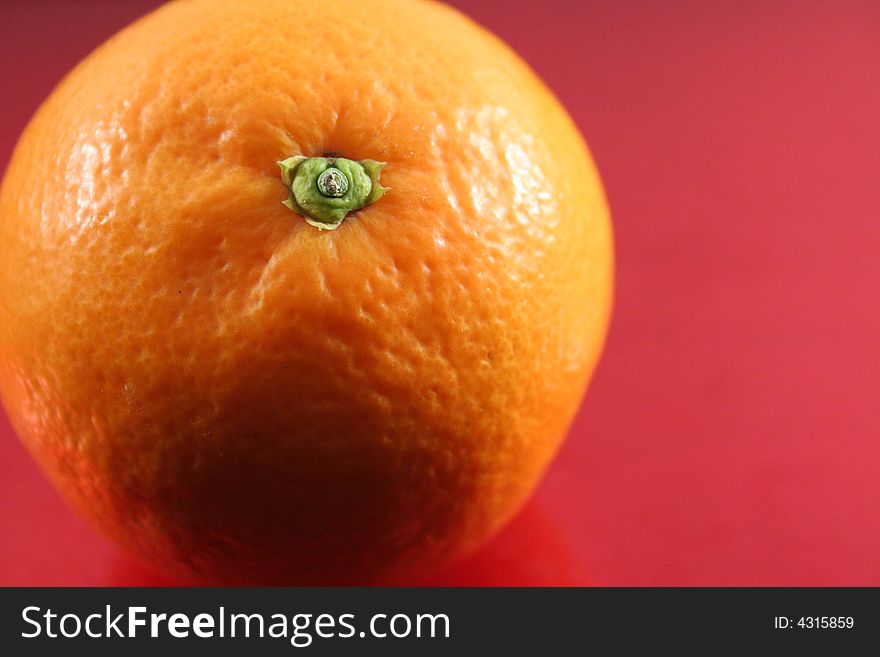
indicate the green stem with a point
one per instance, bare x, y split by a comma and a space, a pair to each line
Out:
325, 189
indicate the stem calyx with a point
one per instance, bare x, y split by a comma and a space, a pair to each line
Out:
324, 190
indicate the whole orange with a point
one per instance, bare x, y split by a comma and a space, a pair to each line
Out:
239, 396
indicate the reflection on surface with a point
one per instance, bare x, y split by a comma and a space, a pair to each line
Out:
530, 551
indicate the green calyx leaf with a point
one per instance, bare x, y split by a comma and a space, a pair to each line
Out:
325, 205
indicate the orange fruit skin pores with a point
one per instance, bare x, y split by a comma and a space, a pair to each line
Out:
239, 397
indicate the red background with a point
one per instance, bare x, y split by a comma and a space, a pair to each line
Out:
732, 432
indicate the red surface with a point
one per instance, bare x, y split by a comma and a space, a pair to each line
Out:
732, 432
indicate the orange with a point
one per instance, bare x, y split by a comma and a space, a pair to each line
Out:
238, 396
